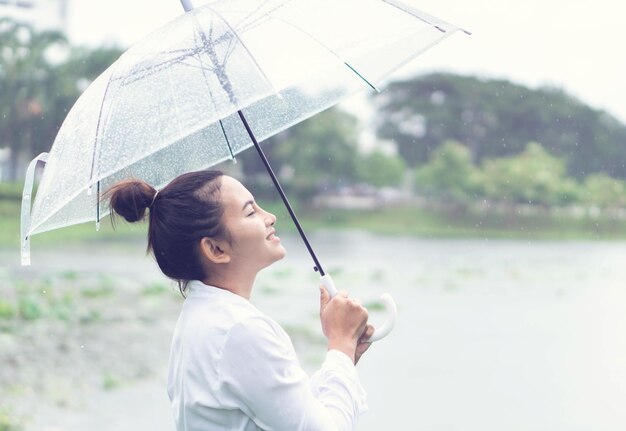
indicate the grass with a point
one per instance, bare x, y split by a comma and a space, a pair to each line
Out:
10, 230
155, 288
102, 288
110, 382
406, 221
8, 423
7, 310
409, 221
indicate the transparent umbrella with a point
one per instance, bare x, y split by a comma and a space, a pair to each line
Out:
212, 83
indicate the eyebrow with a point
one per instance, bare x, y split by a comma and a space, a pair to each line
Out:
250, 202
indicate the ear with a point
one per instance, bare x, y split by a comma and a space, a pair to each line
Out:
214, 251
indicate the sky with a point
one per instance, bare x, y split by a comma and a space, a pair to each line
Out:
575, 45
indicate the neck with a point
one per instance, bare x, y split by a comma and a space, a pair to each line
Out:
238, 282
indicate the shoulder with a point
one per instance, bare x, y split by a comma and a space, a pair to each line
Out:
218, 312
258, 337
257, 328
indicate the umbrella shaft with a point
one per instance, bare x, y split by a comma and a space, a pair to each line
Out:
283, 196
187, 5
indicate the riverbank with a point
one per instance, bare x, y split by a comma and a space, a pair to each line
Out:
408, 220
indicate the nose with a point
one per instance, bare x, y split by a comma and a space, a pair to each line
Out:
271, 219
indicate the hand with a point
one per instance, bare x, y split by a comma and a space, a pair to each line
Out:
344, 322
363, 343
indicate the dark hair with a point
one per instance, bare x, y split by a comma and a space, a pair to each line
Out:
181, 214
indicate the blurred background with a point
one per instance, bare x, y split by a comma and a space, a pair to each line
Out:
484, 188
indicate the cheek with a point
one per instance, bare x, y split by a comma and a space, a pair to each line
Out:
247, 236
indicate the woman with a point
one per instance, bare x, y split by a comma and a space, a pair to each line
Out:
232, 367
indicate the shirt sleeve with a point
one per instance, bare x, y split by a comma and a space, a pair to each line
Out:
259, 372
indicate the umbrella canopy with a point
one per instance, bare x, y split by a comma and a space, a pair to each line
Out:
170, 104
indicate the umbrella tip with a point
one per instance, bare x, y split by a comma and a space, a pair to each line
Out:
25, 253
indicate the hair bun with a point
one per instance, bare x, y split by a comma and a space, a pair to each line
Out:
130, 198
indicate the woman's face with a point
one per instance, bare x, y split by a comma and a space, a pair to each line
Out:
253, 240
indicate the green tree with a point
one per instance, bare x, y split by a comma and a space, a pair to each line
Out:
534, 177
380, 169
603, 191
37, 90
25, 85
312, 156
450, 174
67, 81
496, 118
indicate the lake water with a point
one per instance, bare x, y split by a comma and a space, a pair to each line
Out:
491, 335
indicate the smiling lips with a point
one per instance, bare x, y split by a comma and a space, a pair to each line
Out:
272, 235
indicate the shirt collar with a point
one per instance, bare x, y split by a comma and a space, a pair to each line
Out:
198, 289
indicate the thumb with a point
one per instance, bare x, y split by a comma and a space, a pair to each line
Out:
324, 297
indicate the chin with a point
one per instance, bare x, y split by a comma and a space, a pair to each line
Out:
282, 254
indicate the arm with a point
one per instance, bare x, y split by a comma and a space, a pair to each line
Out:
260, 372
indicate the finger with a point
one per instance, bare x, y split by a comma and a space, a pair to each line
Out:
324, 297
367, 333
343, 294
362, 348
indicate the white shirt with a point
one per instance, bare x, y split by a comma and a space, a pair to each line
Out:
233, 368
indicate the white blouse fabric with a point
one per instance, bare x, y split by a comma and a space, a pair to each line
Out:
233, 368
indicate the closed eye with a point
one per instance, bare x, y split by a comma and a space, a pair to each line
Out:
250, 204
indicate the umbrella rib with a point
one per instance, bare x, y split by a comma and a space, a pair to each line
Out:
185, 53
219, 71
147, 71
428, 19
202, 68
326, 47
234, 33
98, 129
98, 206
243, 27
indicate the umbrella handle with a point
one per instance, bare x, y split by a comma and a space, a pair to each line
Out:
390, 306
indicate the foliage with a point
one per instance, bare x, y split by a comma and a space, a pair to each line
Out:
11, 190
534, 177
603, 191
496, 118
7, 310
316, 154
379, 169
450, 174
7, 422
26, 77
468, 136
41, 77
